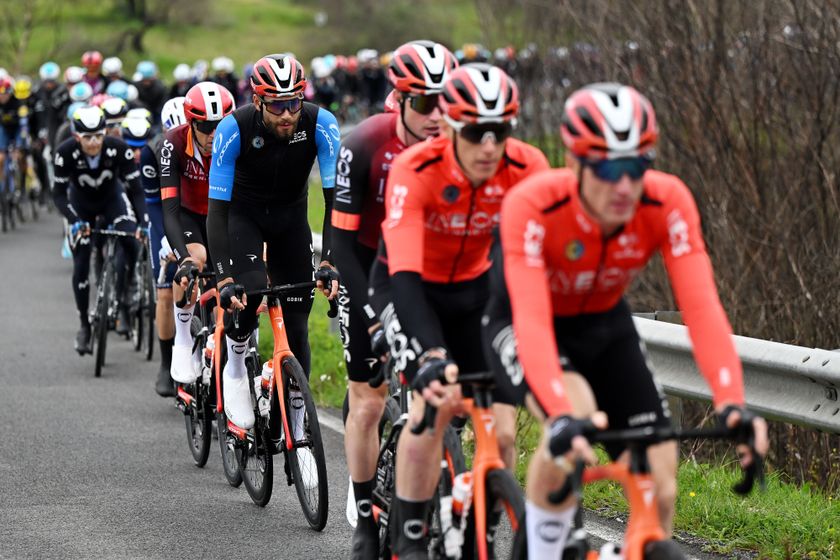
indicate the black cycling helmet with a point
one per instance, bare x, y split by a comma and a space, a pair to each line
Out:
88, 119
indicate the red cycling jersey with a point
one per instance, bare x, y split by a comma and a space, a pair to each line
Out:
558, 263
183, 171
436, 223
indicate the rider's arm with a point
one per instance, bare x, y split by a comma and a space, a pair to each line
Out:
151, 189
327, 140
170, 185
403, 232
522, 235
694, 287
226, 147
61, 182
130, 175
352, 176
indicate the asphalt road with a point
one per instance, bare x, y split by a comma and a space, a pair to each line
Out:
99, 468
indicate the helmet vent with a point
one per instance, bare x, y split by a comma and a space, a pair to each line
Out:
587, 120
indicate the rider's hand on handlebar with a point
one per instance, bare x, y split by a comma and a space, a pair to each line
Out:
80, 229
750, 431
567, 442
434, 373
232, 296
326, 279
379, 343
185, 271
142, 232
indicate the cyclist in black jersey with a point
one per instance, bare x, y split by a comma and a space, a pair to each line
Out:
262, 156
90, 170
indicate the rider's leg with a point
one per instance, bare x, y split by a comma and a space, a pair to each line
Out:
81, 248
182, 362
664, 459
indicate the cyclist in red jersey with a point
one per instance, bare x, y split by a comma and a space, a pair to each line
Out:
443, 199
417, 72
184, 160
571, 242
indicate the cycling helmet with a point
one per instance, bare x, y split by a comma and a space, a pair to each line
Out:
352, 64
88, 119
74, 75
49, 71
112, 66
23, 88
421, 67
114, 108
118, 88
319, 68
72, 109
479, 93
172, 114
199, 70
276, 75
365, 56
181, 73
131, 93
92, 59
81, 92
7, 85
222, 64
139, 113
607, 121
340, 62
98, 99
208, 101
147, 70
136, 131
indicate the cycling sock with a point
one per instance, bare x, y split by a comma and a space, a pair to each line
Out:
166, 352
363, 492
183, 321
547, 530
411, 526
236, 352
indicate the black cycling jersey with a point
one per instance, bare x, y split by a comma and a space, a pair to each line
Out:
49, 111
82, 182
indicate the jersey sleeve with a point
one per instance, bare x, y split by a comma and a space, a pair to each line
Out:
130, 175
226, 146
328, 141
352, 178
523, 236
61, 183
149, 177
403, 227
692, 278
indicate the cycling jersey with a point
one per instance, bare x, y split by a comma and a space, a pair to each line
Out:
82, 182
14, 115
184, 175
151, 187
558, 263
436, 223
50, 110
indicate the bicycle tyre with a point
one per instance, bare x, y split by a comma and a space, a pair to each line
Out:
386, 468
229, 464
255, 460
502, 486
453, 453
102, 319
663, 550
198, 420
315, 511
151, 312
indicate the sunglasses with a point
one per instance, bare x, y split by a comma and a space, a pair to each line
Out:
206, 127
280, 106
612, 170
480, 133
113, 124
92, 136
423, 104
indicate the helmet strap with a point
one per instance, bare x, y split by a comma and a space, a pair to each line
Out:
403, 101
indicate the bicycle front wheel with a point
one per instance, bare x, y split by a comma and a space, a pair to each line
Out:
503, 511
198, 422
306, 459
226, 445
102, 320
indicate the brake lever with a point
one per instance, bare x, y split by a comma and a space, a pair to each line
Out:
428, 421
190, 287
754, 472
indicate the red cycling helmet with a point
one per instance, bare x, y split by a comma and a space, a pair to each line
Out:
608, 121
98, 99
421, 67
208, 101
352, 64
6, 85
278, 75
92, 59
479, 93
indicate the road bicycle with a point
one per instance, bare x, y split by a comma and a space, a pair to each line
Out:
488, 497
142, 303
201, 401
286, 420
104, 314
644, 538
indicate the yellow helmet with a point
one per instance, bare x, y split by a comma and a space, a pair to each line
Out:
23, 88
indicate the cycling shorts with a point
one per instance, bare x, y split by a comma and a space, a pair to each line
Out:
361, 363
604, 348
194, 226
11, 138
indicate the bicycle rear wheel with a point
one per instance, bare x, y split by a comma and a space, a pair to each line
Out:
198, 420
255, 456
102, 319
663, 550
309, 475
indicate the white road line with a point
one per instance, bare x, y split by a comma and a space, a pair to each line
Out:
329, 421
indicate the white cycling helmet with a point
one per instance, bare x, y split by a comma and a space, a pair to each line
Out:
182, 72
172, 114
139, 113
222, 64
319, 66
112, 65
49, 71
132, 93
74, 75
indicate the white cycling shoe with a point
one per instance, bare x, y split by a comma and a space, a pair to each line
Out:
182, 369
308, 468
237, 396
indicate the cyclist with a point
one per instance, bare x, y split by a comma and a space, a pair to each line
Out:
172, 116
90, 169
262, 156
150, 90
442, 200
184, 163
112, 70
115, 110
92, 61
183, 81
23, 93
51, 100
417, 72
14, 116
571, 241
223, 73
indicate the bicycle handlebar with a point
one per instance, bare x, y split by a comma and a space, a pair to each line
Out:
485, 379
111, 232
279, 291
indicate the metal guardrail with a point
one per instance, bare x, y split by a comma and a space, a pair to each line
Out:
788, 383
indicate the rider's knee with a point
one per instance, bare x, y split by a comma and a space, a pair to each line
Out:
506, 435
366, 408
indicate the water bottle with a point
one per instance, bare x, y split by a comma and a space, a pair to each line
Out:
209, 348
462, 494
453, 537
610, 551
261, 384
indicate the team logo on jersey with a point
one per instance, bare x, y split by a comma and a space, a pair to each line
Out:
149, 172
451, 193
111, 152
298, 137
336, 133
258, 142
574, 250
